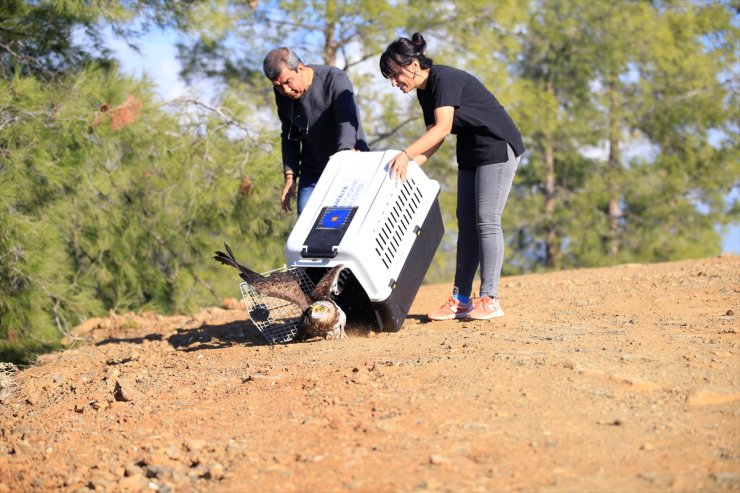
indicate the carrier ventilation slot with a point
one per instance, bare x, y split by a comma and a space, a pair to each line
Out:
399, 214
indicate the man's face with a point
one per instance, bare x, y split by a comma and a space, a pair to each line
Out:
291, 83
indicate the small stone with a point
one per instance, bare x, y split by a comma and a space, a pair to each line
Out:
216, 471
361, 379
438, 460
194, 444
650, 477
172, 452
33, 397
125, 391
153, 472
306, 458
131, 469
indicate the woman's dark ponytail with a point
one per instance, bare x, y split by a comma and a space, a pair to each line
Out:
420, 46
401, 53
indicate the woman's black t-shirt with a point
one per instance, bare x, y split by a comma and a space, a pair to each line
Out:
482, 125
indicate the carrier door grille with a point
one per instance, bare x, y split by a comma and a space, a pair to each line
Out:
396, 222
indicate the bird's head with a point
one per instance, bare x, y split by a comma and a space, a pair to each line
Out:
323, 309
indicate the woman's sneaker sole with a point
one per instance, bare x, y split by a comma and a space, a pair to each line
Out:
488, 316
451, 316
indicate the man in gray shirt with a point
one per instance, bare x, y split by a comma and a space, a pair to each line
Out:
316, 106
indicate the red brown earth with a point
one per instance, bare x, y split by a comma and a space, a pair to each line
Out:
623, 379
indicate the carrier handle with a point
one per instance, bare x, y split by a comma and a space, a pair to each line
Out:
305, 253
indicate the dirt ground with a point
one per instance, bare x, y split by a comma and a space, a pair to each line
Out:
624, 379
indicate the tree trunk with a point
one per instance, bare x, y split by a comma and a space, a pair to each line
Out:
552, 241
330, 44
615, 167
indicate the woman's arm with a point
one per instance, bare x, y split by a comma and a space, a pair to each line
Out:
421, 158
426, 145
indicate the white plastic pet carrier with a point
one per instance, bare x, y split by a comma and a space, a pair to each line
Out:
383, 231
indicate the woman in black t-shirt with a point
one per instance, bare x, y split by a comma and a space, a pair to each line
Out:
488, 150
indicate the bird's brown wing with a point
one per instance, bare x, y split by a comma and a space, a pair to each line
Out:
327, 284
283, 285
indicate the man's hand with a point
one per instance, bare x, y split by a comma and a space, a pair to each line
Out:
288, 193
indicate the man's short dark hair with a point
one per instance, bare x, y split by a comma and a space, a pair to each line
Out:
277, 59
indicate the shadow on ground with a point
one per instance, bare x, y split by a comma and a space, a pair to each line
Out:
217, 336
206, 336
129, 340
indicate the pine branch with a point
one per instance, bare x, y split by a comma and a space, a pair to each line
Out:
221, 112
32, 61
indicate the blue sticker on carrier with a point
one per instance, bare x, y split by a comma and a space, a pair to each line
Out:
334, 217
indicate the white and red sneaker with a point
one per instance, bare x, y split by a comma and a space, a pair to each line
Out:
486, 308
452, 309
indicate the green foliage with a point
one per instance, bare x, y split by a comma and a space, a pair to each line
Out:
625, 76
117, 210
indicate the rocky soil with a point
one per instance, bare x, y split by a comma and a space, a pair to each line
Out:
624, 379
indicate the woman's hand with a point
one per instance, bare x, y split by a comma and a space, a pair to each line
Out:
398, 167
288, 193
424, 146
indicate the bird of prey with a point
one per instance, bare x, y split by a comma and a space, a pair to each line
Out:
321, 316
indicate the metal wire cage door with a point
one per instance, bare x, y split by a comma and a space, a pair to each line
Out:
276, 319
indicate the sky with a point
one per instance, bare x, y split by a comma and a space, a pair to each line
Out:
157, 60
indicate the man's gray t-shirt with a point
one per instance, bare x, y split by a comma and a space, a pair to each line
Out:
323, 121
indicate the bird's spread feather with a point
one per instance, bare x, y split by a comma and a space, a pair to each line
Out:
328, 284
282, 285
321, 316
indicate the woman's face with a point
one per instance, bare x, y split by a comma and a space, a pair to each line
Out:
407, 78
